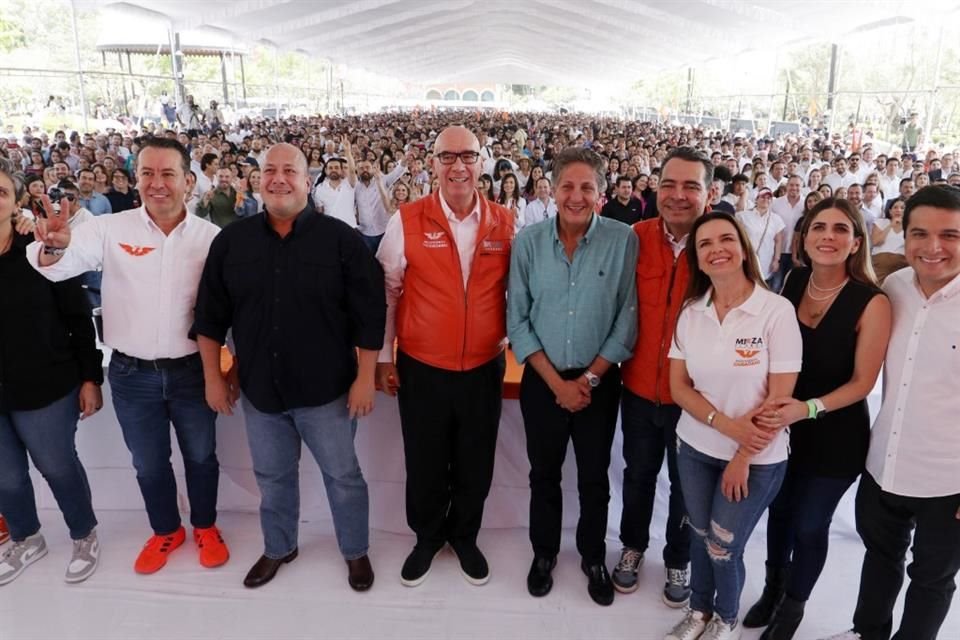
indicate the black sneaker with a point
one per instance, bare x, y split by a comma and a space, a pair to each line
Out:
416, 567
599, 586
473, 565
676, 590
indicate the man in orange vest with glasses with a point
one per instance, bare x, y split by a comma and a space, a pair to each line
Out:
445, 260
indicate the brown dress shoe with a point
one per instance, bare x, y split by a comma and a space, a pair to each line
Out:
265, 569
360, 574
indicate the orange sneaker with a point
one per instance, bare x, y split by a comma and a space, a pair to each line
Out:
153, 557
213, 550
4, 532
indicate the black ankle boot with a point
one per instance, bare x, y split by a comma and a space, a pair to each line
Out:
762, 612
785, 620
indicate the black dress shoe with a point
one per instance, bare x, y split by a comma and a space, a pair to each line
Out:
360, 576
539, 580
599, 585
265, 569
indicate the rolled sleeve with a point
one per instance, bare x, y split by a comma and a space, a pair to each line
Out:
392, 260
85, 253
363, 280
523, 338
623, 334
213, 313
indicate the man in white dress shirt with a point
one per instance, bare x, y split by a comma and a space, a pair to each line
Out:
334, 196
911, 488
541, 207
152, 258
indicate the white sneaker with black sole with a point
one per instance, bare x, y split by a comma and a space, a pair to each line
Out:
21, 555
846, 635
84, 560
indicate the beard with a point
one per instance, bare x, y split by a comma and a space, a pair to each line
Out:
365, 176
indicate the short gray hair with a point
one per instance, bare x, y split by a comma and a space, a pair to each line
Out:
579, 155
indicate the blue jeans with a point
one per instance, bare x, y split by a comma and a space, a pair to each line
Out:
721, 528
146, 402
798, 530
328, 432
650, 430
373, 242
47, 434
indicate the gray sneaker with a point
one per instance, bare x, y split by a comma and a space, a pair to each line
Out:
676, 591
625, 573
83, 562
20, 556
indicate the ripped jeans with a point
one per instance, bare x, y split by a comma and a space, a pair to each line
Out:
720, 528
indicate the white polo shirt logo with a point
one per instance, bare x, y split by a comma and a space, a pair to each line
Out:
747, 350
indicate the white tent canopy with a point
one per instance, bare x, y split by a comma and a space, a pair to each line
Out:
527, 41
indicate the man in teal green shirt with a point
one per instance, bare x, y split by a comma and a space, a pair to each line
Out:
571, 318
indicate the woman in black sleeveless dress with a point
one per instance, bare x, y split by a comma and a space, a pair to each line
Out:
845, 323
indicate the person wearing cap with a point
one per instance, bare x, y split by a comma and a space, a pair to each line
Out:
765, 230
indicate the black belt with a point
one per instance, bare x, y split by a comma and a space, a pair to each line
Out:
160, 364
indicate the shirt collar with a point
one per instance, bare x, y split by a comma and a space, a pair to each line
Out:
945, 292
147, 220
753, 305
452, 217
587, 237
682, 242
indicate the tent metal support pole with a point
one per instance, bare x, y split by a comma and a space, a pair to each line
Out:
832, 81
76, 46
223, 78
928, 124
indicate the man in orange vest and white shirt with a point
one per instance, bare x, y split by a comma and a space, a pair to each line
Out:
649, 415
445, 260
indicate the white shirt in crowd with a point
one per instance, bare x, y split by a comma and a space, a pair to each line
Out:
204, 184
762, 231
915, 442
893, 243
730, 362
392, 257
835, 180
336, 202
371, 213
789, 213
536, 211
150, 279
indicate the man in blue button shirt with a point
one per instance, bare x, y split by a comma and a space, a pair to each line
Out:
571, 318
95, 203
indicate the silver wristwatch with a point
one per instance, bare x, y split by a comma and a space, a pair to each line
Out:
592, 379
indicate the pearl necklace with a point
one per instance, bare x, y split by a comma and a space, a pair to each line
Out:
837, 288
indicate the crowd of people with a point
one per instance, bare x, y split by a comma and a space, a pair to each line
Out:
729, 298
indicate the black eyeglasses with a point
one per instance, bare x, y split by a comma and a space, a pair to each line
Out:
466, 157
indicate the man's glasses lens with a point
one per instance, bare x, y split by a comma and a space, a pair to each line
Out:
467, 157
70, 197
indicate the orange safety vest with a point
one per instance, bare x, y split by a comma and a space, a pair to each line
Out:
661, 284
439, 322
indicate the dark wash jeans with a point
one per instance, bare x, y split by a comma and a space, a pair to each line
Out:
147, 402
649, 431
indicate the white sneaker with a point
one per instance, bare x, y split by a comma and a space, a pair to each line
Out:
83, 562
717, 629
690, 628
846, 635
20, 556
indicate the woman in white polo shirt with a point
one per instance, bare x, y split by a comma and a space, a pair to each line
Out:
736, 345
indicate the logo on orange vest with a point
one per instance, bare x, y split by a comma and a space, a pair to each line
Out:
435, 240
498, 246
134, 250
747, 349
